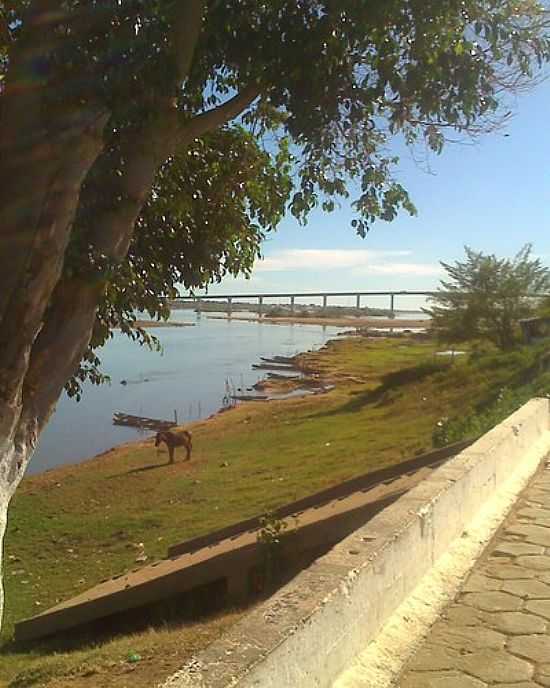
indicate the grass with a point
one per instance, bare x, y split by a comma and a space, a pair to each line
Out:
139, 659
71, 527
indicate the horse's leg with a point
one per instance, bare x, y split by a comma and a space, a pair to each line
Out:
171, 452
188, 447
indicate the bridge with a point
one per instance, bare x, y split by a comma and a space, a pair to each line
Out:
292, 296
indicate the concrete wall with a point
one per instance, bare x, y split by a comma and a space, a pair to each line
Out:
307, 633
361, 482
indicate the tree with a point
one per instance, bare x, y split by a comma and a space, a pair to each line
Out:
486, 296
129, 129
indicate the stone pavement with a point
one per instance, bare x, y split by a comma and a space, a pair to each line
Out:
497, 631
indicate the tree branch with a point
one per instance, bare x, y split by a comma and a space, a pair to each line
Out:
185, 33
69, 320
211, 119
143, 154
60, 345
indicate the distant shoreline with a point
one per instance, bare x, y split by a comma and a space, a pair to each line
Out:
151, 324
378, 323
278, 310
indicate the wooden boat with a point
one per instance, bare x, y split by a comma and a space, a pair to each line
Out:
278, 376
153, 424
273, 366
278, 359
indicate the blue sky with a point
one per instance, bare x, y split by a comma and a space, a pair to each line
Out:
493, 196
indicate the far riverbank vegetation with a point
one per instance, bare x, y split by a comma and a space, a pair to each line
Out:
302, 310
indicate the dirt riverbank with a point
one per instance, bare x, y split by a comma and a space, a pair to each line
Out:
378, 323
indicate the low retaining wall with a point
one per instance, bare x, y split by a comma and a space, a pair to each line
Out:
309, 632
361, 482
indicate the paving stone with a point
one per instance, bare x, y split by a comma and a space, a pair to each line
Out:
540, 562
537, 535
518, 548
497, 632
534, 513
508, 571
461, 615
543, 674
540, 607
447, 679
528, 589
542, 521
543, 576
540, 496
467, 638
478, 582
496, 666
492, 601
514, 538
499, 559
516, 623
537, 504
535, 648
523, 684
433, 658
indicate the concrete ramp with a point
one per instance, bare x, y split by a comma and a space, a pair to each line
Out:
234, 555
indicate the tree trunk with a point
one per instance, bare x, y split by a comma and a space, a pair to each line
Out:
46, 315
14, 458
42, 166
4, 502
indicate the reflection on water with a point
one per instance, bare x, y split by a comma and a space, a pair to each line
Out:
189, 377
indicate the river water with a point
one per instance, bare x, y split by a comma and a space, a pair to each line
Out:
189, 376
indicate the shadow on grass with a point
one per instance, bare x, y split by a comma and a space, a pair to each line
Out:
141, 469
149, 467
391, 382
193, 606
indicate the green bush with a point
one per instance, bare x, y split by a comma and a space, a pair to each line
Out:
524, 375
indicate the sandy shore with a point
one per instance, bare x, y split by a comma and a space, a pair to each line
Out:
380, 323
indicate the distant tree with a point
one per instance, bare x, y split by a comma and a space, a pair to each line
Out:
485, 297
146, 143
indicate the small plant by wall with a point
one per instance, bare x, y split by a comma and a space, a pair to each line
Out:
273, 530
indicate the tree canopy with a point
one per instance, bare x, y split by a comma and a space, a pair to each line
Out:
328, 82
149, 143
484, 297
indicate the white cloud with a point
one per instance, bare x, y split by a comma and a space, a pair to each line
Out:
421, 269
358, 262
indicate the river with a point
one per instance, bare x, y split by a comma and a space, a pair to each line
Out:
189, 376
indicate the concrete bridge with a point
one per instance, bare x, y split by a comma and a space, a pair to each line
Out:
292, 296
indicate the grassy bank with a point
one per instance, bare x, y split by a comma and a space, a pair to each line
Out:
74, 526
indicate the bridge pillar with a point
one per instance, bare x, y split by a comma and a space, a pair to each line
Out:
260, 306
392, 303
292, 305
325, 298
229, 306
358, 301
199, 306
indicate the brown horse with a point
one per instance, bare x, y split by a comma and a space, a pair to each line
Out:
173, 439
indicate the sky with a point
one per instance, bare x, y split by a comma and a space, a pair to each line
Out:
493, 196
